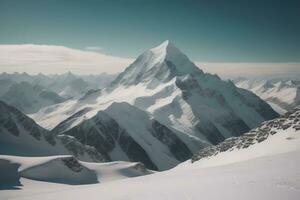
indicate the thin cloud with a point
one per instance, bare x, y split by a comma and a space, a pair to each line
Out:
51, 59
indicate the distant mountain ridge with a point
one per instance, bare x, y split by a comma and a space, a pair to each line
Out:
67, 85
30, 98
29, 93
282, 94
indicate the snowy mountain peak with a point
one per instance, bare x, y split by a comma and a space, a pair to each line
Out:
164, 49
160, 63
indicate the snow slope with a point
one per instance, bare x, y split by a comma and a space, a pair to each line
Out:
112, 171
271, 175
20, 135
276, 136
282, 95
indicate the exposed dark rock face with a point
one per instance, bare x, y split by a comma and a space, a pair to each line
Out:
114, 139
9, 125
104, 133
235, 126
10, 117
167, 137
72, 164
257, 135
209, 131
63, 126
78, 149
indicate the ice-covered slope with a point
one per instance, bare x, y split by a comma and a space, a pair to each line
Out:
124, 132
20, 135
165, 83
29, 98
282, 95
266, 170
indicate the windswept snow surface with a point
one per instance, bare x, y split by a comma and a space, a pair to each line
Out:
265, 171
64, 170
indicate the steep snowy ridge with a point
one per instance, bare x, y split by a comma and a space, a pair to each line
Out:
20, 135
124, 132
161, 63
176, 93
279, 135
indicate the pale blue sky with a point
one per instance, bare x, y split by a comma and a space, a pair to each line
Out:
207, 31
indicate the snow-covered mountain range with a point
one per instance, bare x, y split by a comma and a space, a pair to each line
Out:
262, 164
161, 112
169, 101
29, 93
29, 98
283, 95
134, 137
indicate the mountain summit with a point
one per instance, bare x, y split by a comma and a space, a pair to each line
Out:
162, 106
160, 63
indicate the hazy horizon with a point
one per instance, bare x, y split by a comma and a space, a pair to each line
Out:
232, 38
50, 59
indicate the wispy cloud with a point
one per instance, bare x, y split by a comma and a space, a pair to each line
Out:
57, 59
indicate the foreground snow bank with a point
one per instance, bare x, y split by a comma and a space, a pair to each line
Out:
58, 169
61, 170
274, 177
65, 170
